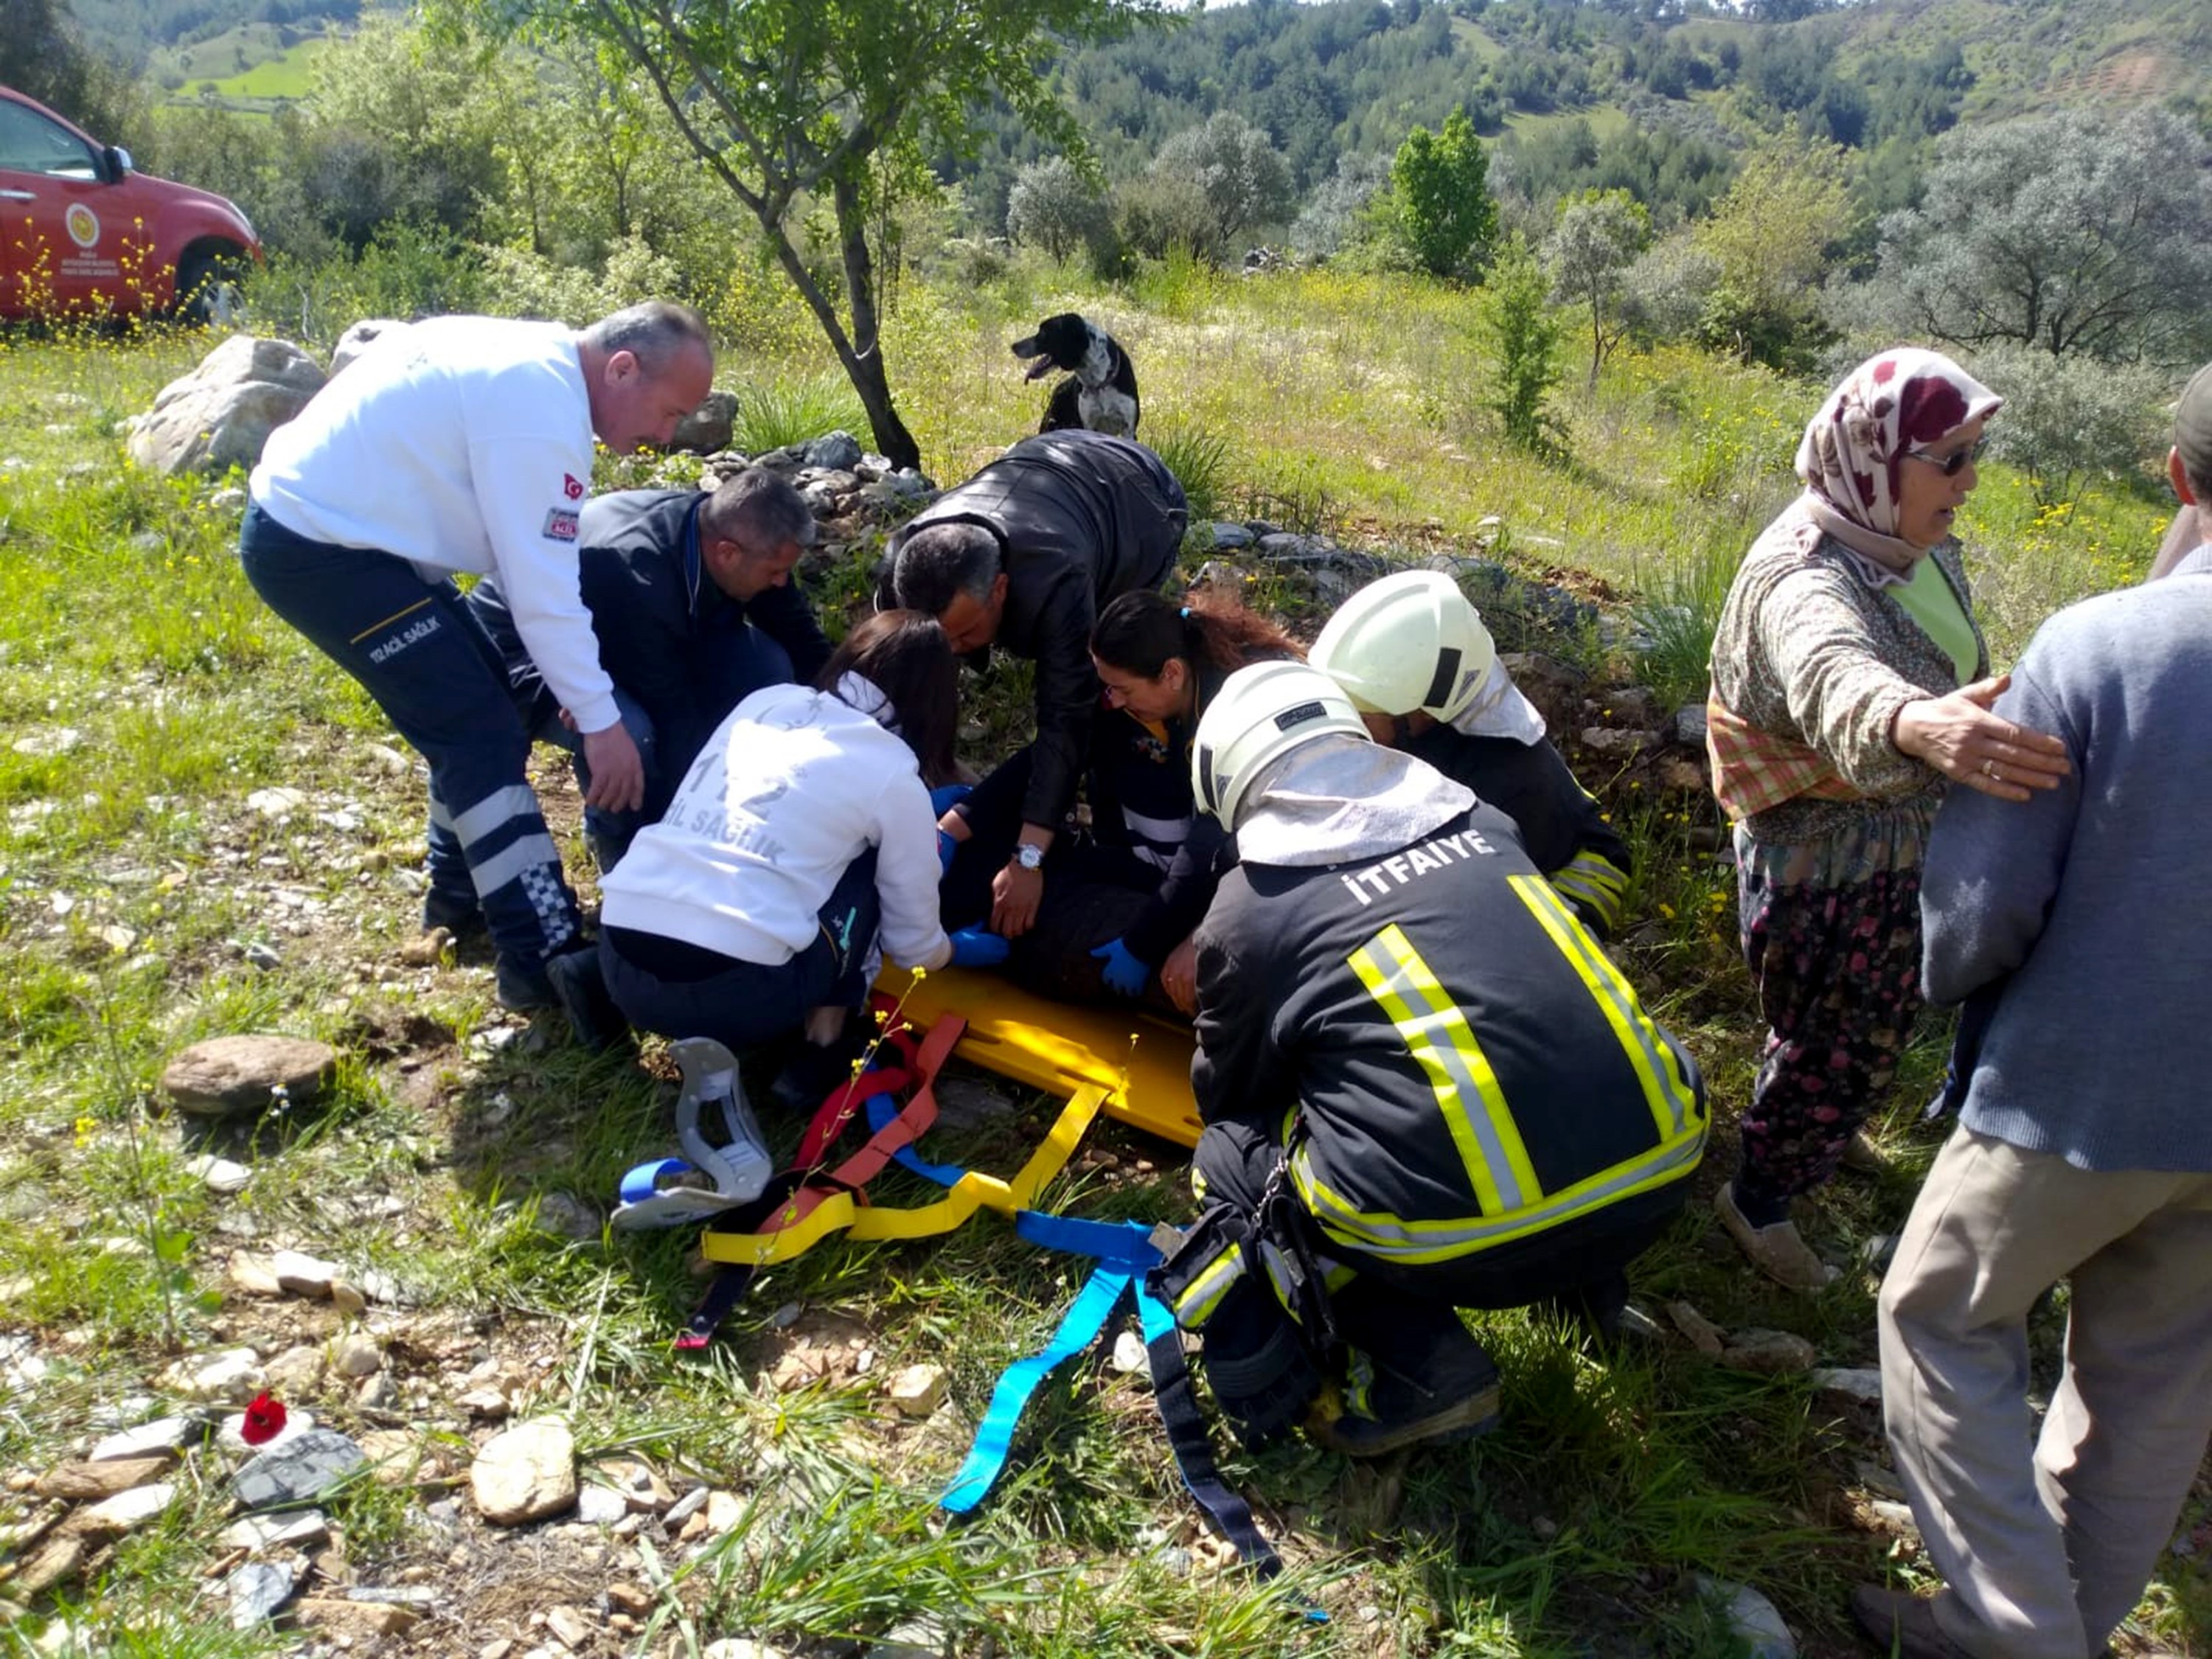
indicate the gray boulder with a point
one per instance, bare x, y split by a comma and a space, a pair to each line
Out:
707, 429
219, 416
834, 452
355, 340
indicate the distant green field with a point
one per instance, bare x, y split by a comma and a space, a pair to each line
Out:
252, 67
287, 75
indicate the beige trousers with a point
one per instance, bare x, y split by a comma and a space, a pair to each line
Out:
2047, 1540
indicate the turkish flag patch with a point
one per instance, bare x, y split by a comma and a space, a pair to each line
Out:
570, 487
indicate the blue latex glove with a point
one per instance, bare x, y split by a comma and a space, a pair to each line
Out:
946, 848
946, 796
1123, 973
978, 947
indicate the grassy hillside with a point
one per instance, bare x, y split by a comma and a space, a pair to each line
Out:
147, 900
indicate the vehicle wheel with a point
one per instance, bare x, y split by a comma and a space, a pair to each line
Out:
211, 286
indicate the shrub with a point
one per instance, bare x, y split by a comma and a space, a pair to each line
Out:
1201, 460
1672, 624
1524, 340
2067, 420
783, 412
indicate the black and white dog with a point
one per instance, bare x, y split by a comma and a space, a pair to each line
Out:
1101, 389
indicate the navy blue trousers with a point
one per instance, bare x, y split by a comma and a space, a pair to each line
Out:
742, 1005
416, 650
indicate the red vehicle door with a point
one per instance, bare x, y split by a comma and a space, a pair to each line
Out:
71, 242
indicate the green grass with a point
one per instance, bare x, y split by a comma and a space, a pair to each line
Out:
133, 878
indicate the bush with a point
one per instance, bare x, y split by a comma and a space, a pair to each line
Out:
1201, 460
1672, 625
784, 412
2067, 420
1524, 339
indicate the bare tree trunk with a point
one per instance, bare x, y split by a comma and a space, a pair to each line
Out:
865, 365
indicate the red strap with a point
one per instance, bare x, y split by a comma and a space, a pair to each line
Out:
839, 1105
901, 1132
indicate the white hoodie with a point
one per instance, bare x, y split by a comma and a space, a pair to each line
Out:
793, 786
458, 443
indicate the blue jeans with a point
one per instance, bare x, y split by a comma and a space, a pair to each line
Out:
415, 648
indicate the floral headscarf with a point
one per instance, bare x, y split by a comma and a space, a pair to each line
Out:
1899, 400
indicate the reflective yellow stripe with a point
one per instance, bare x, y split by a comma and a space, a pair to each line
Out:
1378, 1233
1442, 1044
1594, 880
1197, 1303
1673, 1104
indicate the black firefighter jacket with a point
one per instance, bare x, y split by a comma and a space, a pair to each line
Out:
1455, 1062
1081, 518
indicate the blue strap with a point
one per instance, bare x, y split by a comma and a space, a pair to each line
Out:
644, 1180
1124, 1244
1078, 1329
882, 1108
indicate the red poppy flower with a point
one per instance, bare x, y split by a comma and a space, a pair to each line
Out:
265, 1419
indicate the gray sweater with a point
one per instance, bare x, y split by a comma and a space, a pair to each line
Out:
2077, 927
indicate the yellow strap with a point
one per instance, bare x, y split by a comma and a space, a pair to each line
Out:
974, 1191
1444, 1045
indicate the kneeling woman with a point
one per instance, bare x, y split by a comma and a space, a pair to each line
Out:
1121, 901
751, 910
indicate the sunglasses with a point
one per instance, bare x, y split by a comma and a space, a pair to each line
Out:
1953, 465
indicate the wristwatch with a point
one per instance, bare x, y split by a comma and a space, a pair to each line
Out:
1029, 856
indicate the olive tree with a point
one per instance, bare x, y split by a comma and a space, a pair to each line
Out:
2082, 234
1234, 170
790, 102
1054, 206
1588, 255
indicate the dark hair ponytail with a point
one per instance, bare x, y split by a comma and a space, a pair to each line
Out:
1139, 632
906, 656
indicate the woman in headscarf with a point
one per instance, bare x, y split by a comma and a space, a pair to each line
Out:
1851, 687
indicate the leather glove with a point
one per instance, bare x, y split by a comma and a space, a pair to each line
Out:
1123, 974
977, 947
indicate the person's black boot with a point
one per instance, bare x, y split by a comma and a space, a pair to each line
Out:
815, 1069
581, 991
1412, 1374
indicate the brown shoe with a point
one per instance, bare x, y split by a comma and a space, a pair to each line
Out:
1902, 1623
1776, 1249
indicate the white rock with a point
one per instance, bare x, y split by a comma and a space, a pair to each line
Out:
276, 803
257, 1590
601, 1506
220, 415
261, 1532
220, 1175
127, 1510
304, 1275
359, 1356
233, 1375
1753, 1618
1129, 1354
527, 1472
163, 1434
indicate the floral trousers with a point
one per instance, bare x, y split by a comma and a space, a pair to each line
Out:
1831, 935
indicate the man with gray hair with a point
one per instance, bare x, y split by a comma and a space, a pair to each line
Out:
691, 598
1025, 555
2189, 469
464, 444
2075, 933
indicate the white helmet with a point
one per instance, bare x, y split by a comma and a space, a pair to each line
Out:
1260, 714
1408, 641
